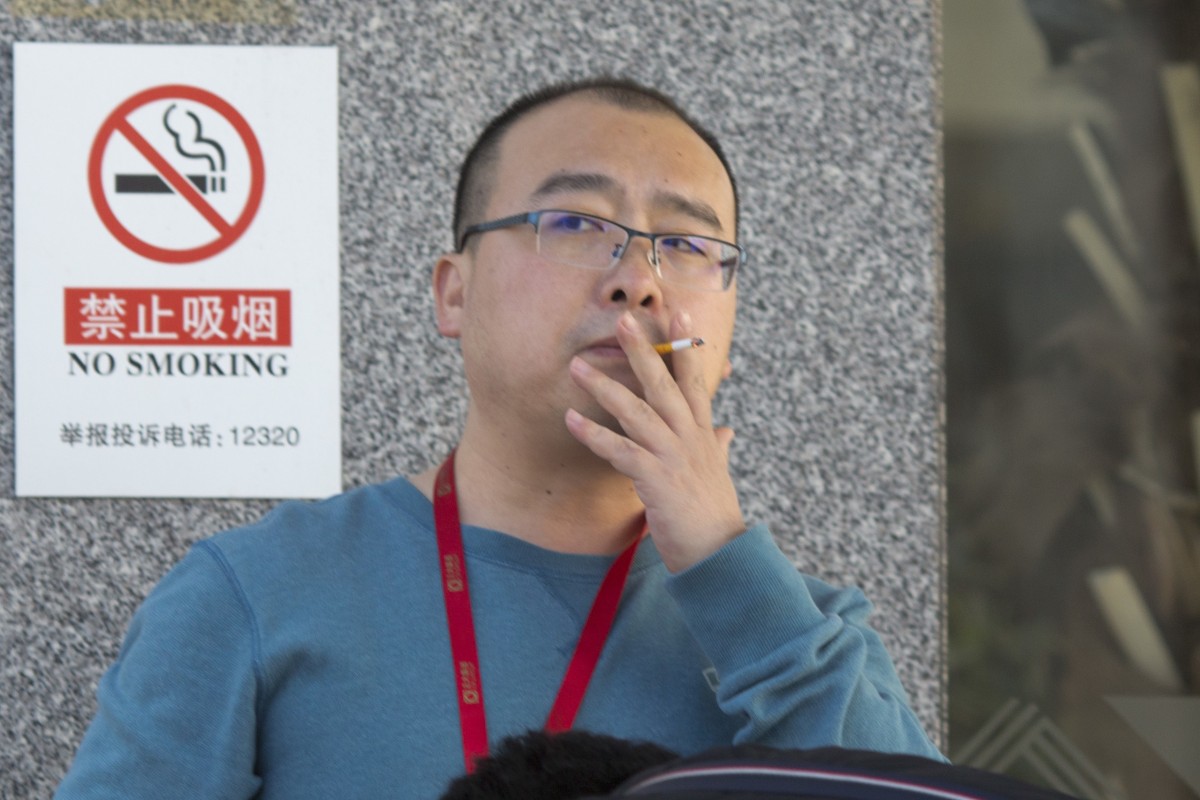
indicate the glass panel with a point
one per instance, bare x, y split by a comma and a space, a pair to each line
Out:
1072, 163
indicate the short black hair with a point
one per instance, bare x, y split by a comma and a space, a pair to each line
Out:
556, 766
474, 176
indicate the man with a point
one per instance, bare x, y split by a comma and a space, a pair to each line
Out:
373, 644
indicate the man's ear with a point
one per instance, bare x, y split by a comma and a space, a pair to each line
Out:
449, 293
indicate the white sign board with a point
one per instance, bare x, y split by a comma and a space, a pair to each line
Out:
176, 271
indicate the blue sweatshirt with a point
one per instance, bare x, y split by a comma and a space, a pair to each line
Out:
307, 656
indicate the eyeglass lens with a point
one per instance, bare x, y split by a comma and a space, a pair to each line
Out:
594, 243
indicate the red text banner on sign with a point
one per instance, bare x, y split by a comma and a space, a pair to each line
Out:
178, 317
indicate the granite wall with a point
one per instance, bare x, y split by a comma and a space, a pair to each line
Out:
829, 113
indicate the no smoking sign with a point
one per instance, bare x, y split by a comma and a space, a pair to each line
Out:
176, 174
157, 287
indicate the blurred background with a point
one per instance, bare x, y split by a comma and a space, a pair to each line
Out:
1072, 213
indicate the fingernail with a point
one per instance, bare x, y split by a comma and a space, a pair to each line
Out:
685, 319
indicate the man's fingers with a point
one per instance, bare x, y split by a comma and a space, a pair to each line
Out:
637, 417
658, 385
625, 455
689, 372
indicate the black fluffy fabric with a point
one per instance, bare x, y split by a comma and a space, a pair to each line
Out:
562, 766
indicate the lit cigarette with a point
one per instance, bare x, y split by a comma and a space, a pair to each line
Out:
679, 344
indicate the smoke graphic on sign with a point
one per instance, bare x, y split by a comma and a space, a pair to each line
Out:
190, 144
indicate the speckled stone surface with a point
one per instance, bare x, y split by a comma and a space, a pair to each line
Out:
828, 112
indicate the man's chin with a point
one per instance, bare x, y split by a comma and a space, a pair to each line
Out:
627, 379
601, 418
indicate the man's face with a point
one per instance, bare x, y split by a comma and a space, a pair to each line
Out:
523, 318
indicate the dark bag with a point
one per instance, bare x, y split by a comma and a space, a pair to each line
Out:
763, 773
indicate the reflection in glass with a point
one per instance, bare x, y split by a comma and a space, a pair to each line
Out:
1072, 158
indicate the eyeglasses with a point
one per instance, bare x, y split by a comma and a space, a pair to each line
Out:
582, 240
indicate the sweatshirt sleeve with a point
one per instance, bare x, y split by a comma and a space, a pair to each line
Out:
176, 711
797, 663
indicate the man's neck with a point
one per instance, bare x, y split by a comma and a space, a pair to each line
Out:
560, 497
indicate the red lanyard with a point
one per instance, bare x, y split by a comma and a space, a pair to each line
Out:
462, 626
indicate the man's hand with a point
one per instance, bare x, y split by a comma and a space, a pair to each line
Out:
678, 462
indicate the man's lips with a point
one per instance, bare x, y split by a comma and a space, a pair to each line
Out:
607, 353
605, 348
606, 345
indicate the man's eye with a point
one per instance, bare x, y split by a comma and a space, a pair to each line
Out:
683, 246
574, 223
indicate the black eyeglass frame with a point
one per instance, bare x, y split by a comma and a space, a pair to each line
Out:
532, 218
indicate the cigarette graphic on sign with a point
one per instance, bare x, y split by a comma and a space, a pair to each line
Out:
187, 131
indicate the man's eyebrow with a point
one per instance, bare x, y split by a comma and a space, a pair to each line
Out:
702, 212
575, 182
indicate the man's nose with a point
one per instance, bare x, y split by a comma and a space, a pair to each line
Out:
634, 279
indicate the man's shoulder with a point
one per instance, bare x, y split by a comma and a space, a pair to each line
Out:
303, 528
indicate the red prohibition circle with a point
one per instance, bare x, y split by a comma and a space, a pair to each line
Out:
228, 233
